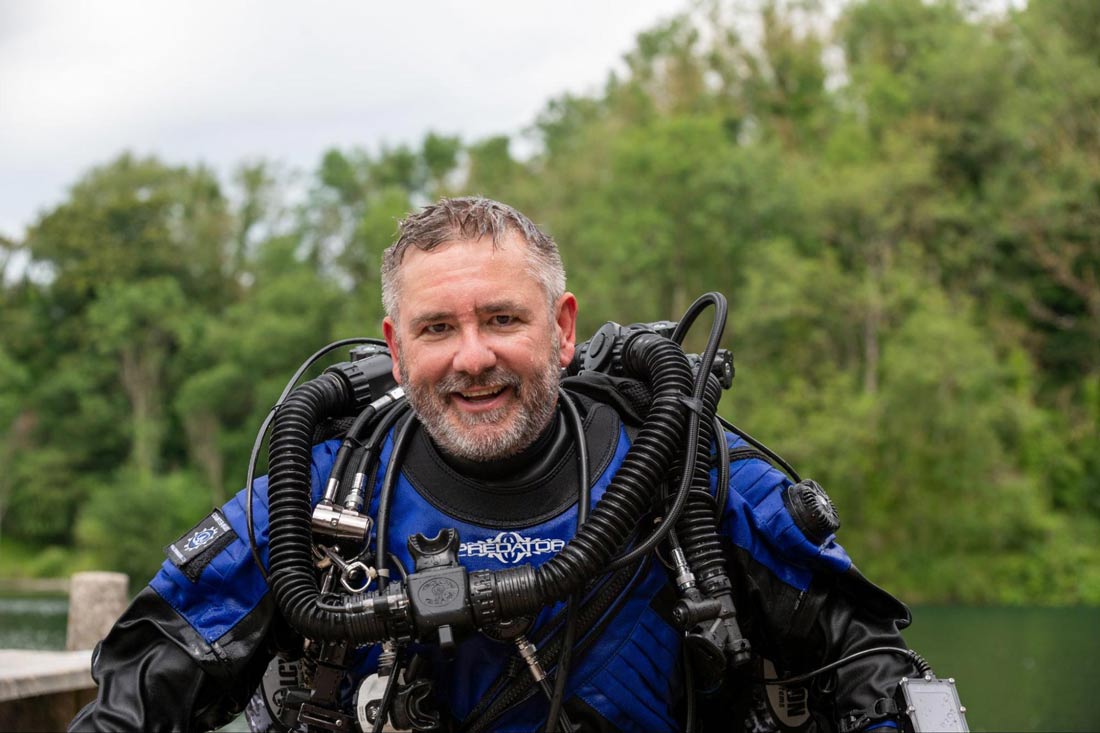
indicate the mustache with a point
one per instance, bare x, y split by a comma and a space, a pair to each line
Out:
492, 378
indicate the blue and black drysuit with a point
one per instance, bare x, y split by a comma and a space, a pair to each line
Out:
190, 650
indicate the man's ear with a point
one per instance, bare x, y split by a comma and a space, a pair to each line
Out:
565, 318
389, 331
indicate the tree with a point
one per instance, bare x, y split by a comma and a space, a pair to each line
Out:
137, 324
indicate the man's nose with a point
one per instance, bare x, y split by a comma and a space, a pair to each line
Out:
474, 355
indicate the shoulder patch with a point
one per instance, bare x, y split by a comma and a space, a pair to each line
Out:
193, 551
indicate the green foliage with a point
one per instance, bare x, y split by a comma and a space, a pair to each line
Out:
902, 204
126, 523
20, 560
46, 490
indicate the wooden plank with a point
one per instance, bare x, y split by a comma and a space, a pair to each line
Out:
25, 673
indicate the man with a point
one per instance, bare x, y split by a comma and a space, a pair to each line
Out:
480, 326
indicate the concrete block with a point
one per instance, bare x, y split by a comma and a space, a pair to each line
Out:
96, 600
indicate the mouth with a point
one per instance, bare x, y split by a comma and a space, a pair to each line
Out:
481, 397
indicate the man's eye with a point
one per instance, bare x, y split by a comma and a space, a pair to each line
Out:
436, 328
503, 320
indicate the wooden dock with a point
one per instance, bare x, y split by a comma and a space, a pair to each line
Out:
42, 691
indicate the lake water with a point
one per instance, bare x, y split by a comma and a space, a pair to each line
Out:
1018, 669
33, 621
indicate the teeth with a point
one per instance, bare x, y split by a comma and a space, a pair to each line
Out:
475, 393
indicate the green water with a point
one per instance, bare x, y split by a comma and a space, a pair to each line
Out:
1018, 669
33, 620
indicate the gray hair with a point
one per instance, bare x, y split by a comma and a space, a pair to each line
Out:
470, 218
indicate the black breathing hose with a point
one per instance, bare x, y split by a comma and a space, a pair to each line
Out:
630, 495
292, 574
667, 525
627, 499
681, 419
697, 528
695, 457
250, 478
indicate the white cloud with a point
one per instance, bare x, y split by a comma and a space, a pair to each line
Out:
222, 81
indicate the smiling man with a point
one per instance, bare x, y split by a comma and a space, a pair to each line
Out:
480, 326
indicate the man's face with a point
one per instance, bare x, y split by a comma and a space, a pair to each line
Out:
478, 348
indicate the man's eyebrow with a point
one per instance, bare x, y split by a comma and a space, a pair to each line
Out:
494, 306
431, 317
503, 306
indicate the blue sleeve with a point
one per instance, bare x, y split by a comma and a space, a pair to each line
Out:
231, 586
192, 646
756, 520
805, 601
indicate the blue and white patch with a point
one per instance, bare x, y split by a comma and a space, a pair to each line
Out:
192, 552
511, 548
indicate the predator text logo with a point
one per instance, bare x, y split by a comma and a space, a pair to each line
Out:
510, 547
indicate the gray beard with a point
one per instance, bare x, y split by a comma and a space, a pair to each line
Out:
458, 433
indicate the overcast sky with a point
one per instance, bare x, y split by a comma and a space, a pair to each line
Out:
220, 82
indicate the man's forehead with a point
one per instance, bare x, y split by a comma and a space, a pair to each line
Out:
507, 240
505, 265
418, 261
